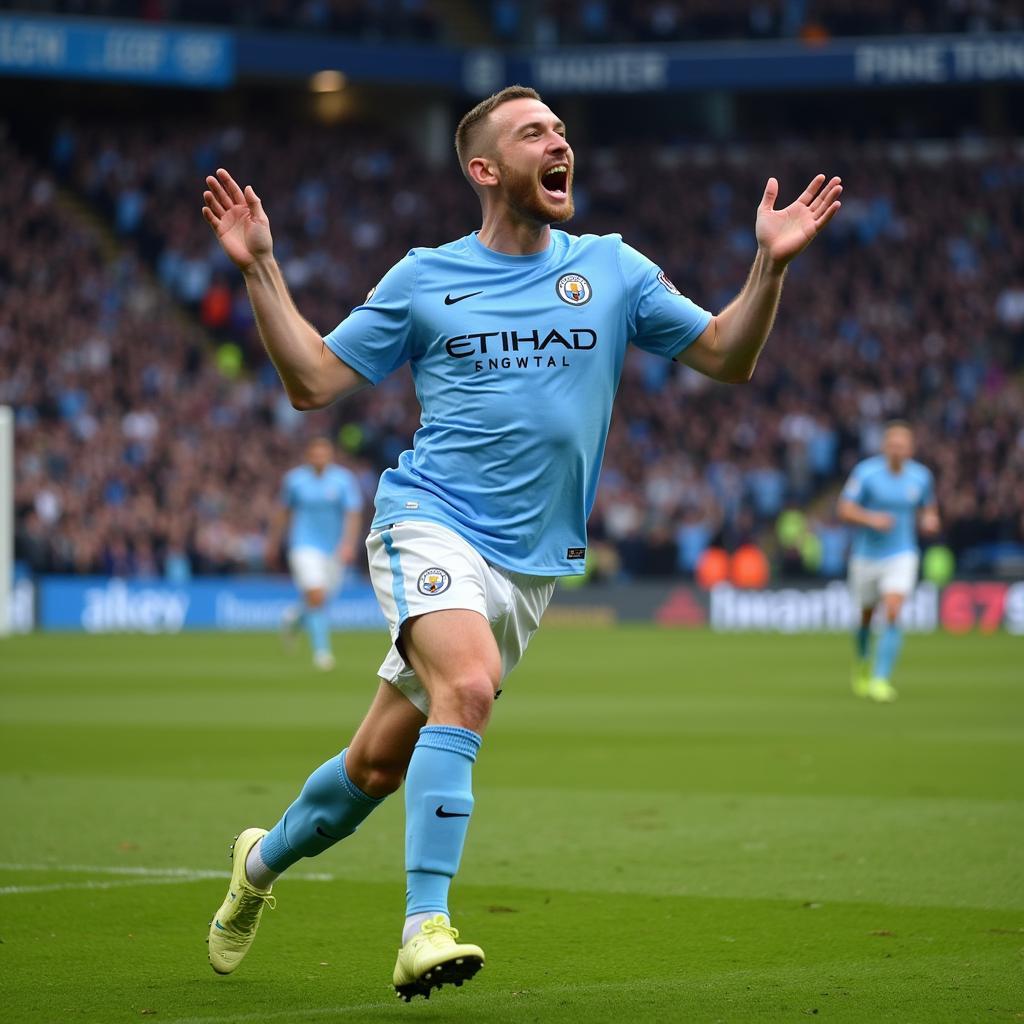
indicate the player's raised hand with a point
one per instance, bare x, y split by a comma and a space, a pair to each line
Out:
237, 219
784, 234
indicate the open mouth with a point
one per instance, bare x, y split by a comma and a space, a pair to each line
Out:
555, 181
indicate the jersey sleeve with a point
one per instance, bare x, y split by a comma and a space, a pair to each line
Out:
660, 318
854, 489
376, 337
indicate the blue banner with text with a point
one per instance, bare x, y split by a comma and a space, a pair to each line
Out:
116, 51
104, 605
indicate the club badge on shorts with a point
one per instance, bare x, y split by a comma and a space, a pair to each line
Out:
433, 582
574, 289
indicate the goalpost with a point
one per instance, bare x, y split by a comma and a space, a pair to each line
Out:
6, 519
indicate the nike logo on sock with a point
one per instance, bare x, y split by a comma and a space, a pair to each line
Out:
449, 301
442, 813
321, 832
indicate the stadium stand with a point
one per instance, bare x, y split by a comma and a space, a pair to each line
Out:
192, 452
659, 21
413, 20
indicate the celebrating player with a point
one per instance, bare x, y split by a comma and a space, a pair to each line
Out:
882, 498
321, 508
516, 335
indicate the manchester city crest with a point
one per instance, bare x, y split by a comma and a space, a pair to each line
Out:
433, 582
574, 289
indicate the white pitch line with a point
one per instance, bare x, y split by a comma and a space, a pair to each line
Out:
190, 874
18, 890
136, 876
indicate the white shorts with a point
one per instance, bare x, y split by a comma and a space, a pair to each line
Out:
870, 578
418, 567
313, 569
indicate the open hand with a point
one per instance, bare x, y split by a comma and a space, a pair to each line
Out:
237, 219
783, 234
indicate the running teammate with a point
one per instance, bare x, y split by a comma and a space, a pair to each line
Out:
882, 499
321, 509
516, 336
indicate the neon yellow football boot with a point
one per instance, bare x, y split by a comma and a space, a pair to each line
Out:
234, 926
861, 679
882, 690
432, 958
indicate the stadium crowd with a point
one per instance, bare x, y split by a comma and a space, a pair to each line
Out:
361, 19
142, 448
549, 22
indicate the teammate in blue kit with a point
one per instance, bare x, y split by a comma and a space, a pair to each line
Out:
515, 335
321, 508
883, 499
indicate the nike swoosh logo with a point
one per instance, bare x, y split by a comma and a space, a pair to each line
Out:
220, 926
442, 813
449, 301
321, 832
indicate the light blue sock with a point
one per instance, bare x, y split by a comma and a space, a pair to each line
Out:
889, 645
863, 640
318, 628
329, 808
438, 803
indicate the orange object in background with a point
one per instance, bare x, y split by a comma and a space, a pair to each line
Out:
749, 569
215, 309
713, 567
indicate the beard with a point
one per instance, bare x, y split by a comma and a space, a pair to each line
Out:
526, 197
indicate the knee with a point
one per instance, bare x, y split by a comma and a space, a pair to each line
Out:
466, 701
892, 612
315, 598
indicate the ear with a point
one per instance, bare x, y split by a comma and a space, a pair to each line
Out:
483, 172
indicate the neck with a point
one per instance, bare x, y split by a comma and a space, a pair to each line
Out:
513, 236
895, 464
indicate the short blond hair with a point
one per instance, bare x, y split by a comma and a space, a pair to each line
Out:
468, 131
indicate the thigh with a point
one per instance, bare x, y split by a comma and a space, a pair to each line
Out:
419, 571
900, 575
451, 647
862, 578
310, 569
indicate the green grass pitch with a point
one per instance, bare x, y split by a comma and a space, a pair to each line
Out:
670, 826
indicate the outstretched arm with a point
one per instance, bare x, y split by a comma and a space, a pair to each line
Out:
728, 347
312, 375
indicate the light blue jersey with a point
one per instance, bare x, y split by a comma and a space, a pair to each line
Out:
874, 486
516, 360
319, 504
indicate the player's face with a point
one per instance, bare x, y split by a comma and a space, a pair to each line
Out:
898, 445
535, 161
319, 455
